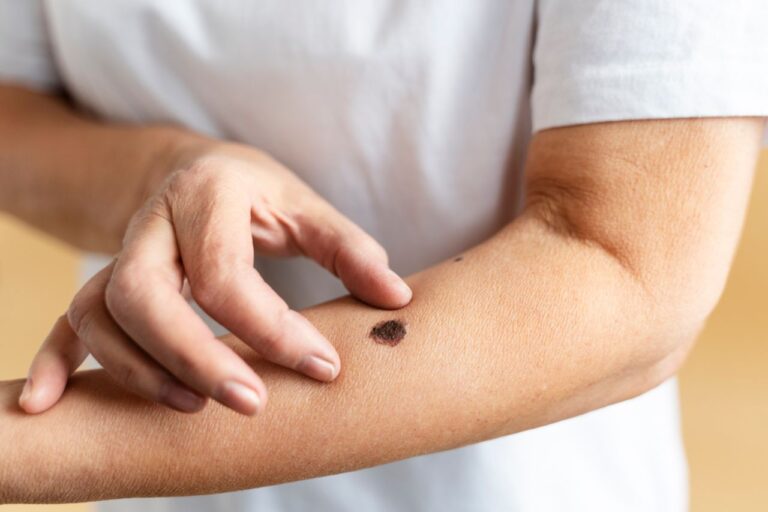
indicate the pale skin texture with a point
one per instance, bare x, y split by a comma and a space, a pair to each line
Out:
594, 295
208, 206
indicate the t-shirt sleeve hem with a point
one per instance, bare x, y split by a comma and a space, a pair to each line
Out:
28, 73
715, 91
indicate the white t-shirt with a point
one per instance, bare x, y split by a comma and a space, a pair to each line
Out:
432, 102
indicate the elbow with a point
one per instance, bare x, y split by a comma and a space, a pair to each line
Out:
655, 354
676, 312
665, 362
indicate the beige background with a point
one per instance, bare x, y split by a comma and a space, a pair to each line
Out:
724, 385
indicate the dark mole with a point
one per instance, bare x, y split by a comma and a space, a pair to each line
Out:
458, 258
388, 332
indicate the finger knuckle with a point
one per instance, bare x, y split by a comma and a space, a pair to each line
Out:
126, 375
178, 182
181, 192
373, 248
125, 287
330, 260
202, 169
212, 288
79, 316
202, 174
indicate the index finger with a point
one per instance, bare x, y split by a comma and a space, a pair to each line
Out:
217, 252
144, 298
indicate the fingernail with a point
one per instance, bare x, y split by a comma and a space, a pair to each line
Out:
320, 367
317, 368
184, 400
402, 288
239, 397
26, 392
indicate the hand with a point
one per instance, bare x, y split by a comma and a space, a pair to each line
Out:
203, 226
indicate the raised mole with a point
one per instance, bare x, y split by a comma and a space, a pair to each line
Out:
458, 258
388, 332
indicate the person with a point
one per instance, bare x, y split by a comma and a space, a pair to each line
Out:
563, 183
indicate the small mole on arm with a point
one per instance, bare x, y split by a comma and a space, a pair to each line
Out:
458, 258
388, 332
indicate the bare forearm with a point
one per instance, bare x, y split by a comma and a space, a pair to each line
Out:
591, 297
524, 330
75, 177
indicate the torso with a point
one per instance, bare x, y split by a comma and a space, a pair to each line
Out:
413, 118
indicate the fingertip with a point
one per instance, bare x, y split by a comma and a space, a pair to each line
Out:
24, 398
185, 400
374, 283
33, 408
385, 290
241, 398
321, 360
401, 293
36, 397
319, 368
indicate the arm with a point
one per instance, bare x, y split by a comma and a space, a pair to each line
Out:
76, 178
592, 296
207, 205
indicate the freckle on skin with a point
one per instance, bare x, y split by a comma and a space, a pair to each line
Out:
458, 258
388, 332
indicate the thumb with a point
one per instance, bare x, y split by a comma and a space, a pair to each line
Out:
353, 256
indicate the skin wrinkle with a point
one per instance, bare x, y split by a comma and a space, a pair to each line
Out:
541, 328
553, 201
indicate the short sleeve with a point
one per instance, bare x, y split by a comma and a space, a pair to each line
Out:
25, 51
609, 60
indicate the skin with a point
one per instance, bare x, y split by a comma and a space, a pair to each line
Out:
592, 296
205, 207
390, 332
